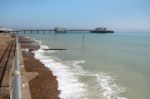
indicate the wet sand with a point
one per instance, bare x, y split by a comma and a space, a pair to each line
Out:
44, 85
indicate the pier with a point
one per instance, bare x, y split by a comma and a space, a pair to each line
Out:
44, 31
60, 30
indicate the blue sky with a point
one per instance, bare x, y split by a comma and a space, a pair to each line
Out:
119, 15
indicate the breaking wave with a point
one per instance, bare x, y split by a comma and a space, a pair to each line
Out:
68, 78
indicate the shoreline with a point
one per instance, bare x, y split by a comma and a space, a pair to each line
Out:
45, 77
45, 84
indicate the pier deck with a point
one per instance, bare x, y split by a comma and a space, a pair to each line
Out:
38, 31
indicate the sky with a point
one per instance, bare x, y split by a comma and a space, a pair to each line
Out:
118, 15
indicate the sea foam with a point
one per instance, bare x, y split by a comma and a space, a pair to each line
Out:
108, 87
68, 82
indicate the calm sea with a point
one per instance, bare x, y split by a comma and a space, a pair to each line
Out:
98, 66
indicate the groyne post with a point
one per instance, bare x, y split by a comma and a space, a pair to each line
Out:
83, 41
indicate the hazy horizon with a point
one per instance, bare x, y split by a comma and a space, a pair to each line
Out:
113, 14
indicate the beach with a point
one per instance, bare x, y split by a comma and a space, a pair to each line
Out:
75, 49
37, 81
110, 66
44, 85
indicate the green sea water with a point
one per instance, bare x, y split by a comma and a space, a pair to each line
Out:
103, 66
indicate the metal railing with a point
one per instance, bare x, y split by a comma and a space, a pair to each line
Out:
16, 87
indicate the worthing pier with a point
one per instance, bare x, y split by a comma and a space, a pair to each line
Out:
55, 30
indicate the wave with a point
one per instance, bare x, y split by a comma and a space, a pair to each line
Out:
68, 78
68, 83
108, 87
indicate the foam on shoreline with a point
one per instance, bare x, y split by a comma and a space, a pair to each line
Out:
108, 87
69, 84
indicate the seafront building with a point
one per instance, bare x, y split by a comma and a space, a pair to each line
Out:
4, 29
101, 30
60, 30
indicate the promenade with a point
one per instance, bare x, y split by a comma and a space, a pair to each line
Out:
7, 51
37, 81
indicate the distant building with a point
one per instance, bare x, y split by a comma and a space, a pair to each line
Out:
60, 30
3, 29
100, 29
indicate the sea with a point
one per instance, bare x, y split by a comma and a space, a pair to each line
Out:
97, 66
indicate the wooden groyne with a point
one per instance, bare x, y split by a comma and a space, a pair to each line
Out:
55, 49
